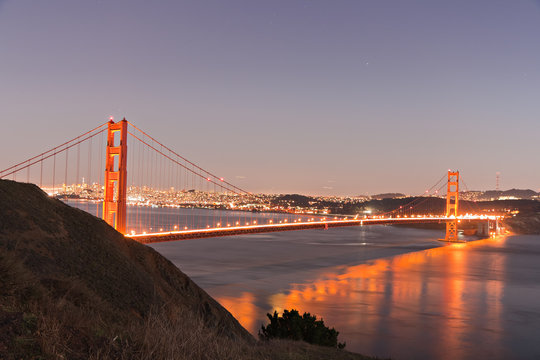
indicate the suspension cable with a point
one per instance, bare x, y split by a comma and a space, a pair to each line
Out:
2, 172
186, 160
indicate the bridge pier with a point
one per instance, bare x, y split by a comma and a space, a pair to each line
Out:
488, 227
498, 229
482, 228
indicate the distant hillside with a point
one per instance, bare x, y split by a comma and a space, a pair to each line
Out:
294, 200
71, 287
387, 196
432, 205
526, 194
527, 221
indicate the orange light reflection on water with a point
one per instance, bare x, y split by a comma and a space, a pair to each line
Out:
430, 289
242, 308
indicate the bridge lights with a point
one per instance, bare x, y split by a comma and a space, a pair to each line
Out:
185, 227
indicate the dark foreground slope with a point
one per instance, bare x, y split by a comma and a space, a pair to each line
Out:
72, 287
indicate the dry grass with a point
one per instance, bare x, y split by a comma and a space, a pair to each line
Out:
15, 280
55, 322
183, 336
56, 328
174, 336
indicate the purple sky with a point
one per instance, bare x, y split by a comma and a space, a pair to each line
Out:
316, 97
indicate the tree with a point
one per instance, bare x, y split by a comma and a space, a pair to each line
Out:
295, 327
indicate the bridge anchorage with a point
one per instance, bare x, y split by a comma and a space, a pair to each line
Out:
159, 179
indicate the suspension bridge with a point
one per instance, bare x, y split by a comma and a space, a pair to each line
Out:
150, 193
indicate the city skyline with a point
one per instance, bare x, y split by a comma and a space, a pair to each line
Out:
309, 97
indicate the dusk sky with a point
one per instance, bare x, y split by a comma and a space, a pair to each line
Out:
314, 97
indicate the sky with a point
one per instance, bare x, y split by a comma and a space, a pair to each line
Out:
342, 97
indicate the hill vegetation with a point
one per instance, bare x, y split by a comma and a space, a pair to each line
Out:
525, 194
292, 325
71, 287
387, 196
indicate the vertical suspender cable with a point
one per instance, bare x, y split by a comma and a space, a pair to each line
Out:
78, 160
66, 171
54, 174
41, 173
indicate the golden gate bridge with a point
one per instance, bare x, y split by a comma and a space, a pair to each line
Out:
148, 176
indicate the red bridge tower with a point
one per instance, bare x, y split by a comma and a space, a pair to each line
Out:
114, 197
452, 200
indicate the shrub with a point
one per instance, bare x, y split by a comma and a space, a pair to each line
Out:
295, 327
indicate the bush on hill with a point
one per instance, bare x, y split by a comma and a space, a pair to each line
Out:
295, 327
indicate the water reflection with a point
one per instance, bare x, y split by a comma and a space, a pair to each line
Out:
443, 303
243, 308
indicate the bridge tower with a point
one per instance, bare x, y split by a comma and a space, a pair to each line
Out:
114, 197
452, 200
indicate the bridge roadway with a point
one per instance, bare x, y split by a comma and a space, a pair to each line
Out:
254, 229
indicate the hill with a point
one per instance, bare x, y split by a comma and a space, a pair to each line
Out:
526, 194
387, 196
72, 287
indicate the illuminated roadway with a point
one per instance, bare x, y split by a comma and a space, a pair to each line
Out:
147, 238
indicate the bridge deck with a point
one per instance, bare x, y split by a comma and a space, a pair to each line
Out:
253, 229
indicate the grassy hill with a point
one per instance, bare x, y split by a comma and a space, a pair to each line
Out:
71, 287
